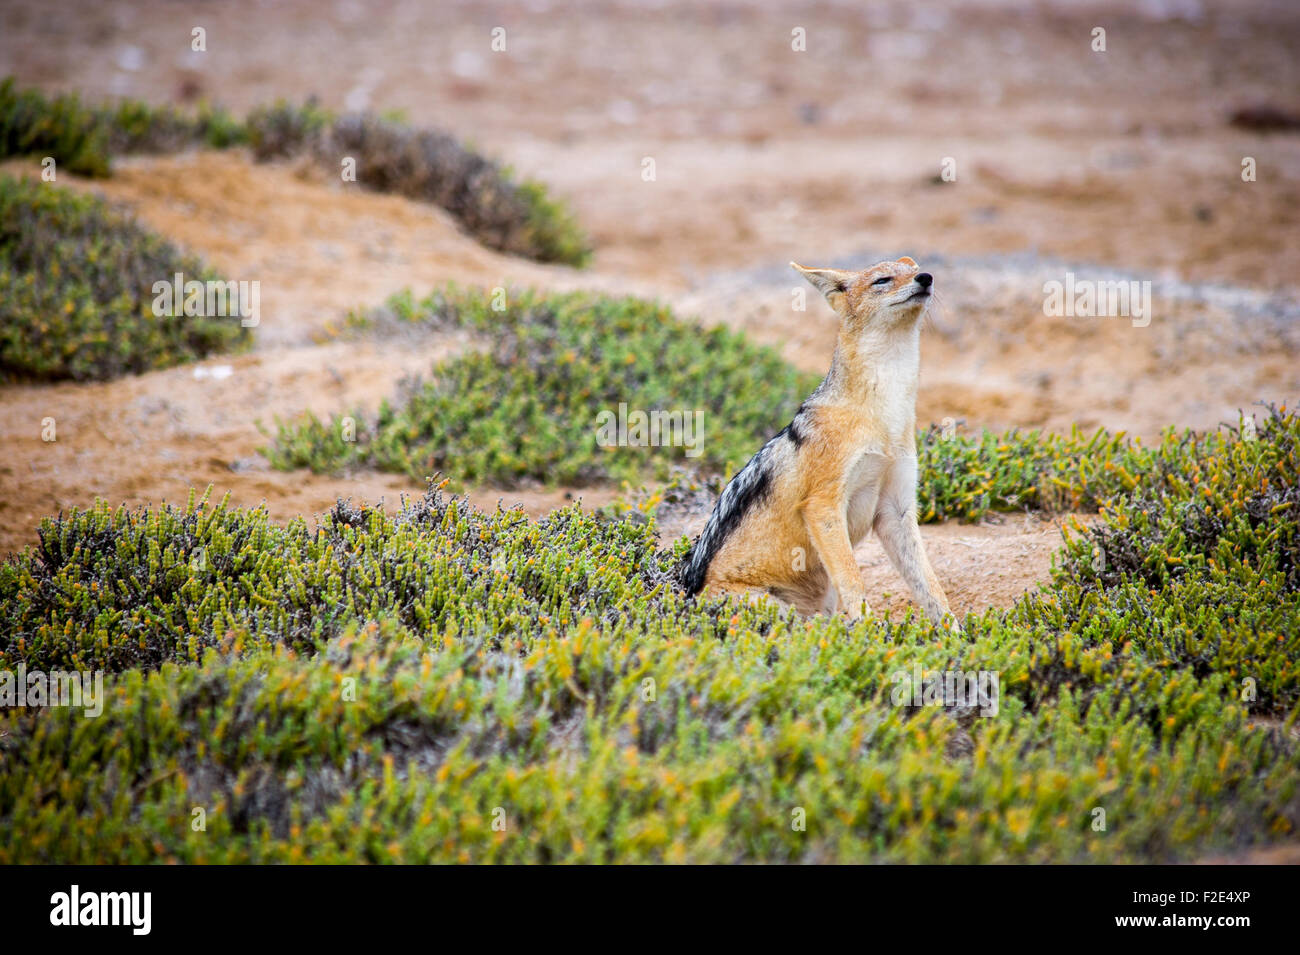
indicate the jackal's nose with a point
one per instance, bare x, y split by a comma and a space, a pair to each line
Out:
924, 279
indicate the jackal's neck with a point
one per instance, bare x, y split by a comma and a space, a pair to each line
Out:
878, 371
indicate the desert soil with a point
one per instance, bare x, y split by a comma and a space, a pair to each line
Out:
1112, 165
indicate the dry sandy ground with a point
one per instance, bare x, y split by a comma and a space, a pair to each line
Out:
1111, 165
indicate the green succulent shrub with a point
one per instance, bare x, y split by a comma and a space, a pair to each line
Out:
133, 126
426, 164
32, 124
524, 407
76, 291
446, 685
432, 166
499, 210
82, 139
282, 129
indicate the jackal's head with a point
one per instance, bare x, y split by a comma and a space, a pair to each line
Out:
884, 295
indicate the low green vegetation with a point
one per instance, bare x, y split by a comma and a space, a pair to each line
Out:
136, 127
442, 684
524, 405
82, 138
503, 213
60, 127
76, 291
283, 130
498, 209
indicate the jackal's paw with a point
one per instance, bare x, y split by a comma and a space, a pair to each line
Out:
855, 610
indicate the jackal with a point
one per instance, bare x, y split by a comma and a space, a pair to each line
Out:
787, 523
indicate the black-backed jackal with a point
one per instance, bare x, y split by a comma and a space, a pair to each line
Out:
787, 523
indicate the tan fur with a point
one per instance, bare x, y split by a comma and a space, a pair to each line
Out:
853, 469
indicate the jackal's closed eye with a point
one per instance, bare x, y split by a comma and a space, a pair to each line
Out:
883, 280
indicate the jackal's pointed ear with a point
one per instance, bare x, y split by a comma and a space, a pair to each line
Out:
832, 283
907, 260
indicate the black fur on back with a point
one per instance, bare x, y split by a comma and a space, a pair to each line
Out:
750, 487
795, 428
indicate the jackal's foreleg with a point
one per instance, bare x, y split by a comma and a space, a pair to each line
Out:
828, 531
901, 538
